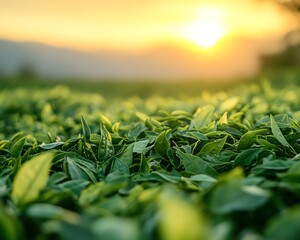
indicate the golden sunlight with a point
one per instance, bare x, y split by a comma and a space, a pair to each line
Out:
206, 33
208, 28
183, 39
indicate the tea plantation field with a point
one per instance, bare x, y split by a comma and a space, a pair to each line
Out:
78, 165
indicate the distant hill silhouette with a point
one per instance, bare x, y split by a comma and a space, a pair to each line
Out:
161, 62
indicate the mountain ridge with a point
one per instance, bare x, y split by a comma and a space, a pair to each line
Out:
160, 62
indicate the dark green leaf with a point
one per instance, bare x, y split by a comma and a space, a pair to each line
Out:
195, 164
78, 167
144, 166
271, 167
162, 144
75, 186
85, 129
285, 226
10, 227
213, 147
105, 147
247, 157
48, 211
230, 196
119, 166
249, 138
17, 148
127, 155
136, 131
278, 134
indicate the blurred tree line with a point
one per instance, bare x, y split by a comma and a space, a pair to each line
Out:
289, 57
26, 72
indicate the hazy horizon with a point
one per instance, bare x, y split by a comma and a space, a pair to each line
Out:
131, 39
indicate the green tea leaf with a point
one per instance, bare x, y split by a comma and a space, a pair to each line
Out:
76, 185
105, 147
114, 228
78, 167
264, 143
68, 230
203, 117
230, 196
177, 215
136, 131
119, 166
106, 122
203, 178
223, 119
127, 155
247, 157
144, 166
278, 134
31, 178
141, 146
272, 166
85, 129
293, 173
49, 146
162, 144
17, 148
48, 211
249, 138
213, 147
195, 164
10, 227
285, 226
197, 135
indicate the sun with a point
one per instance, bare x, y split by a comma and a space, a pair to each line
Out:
206, 33
207, 29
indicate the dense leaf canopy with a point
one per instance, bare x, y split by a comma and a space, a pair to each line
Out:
217, 166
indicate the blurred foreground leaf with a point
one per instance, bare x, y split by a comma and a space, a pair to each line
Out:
31, 178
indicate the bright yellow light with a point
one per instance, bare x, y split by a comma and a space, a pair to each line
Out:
206, 33
208, 28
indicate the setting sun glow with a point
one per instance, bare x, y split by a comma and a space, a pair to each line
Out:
206, 33
208, 28
146, 39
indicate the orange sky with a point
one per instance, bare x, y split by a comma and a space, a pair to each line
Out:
131, 25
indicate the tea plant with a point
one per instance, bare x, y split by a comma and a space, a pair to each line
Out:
217, 166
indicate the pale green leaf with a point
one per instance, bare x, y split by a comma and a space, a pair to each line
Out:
31, 178
203, 117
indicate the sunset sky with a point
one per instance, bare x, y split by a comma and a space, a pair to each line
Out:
210, 28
